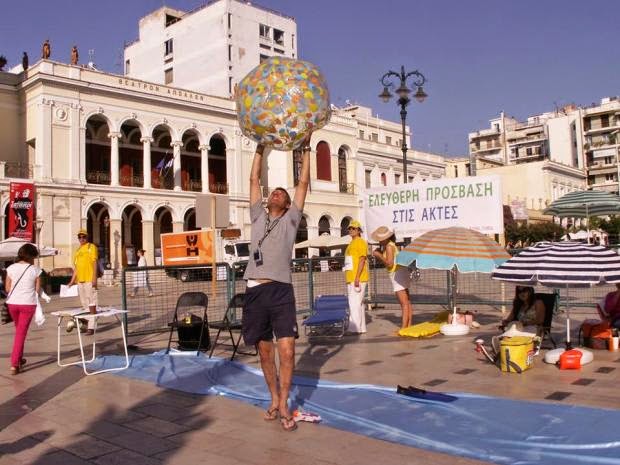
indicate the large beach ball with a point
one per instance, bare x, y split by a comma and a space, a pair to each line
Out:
280, 100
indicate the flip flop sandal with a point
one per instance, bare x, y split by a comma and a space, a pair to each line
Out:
288, 423
272, 414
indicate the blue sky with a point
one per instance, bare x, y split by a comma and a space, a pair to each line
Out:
480, 56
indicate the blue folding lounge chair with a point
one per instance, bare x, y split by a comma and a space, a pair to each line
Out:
330, 316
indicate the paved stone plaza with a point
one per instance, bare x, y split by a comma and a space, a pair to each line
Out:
51, 415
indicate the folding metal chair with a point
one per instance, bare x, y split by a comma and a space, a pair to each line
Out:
330, 316
231, 322
192, 331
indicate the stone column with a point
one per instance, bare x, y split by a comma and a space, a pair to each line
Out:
43, 149
148, 241
114, 168
146, 164
177, 226
204, 167
75, 151
116, 249
176, 164
313, 232
82, 156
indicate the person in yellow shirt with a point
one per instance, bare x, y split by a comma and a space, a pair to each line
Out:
85, 276
356, 276
399, 275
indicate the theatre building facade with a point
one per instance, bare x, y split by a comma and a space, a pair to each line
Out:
125, 159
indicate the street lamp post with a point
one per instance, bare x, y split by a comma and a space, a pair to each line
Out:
387, 81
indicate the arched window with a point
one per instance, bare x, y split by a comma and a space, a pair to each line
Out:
218, 182
130, 155
191, 174
97, 151
302, 235
342, 169
383, 179
323, 162
324, 226
162, 172
344, 225
189, 222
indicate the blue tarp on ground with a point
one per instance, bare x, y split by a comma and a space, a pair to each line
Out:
486, 428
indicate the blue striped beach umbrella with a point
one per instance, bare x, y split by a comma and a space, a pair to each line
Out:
584, 204
461, 248
562, 265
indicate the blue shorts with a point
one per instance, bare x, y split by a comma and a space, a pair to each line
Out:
269, 310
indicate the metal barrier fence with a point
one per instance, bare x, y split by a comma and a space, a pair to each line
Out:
149, 314
314, 277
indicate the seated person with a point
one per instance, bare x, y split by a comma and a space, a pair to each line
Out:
610, 309
526, 309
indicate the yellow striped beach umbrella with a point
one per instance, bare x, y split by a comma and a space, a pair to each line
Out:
461, 248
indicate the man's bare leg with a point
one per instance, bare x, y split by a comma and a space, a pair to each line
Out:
268, 364
286, 353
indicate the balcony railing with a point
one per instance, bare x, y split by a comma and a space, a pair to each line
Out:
131, 181
347, 188
484, 148
162, 182
98, 177
13, 169
193, 185
157, 182
218, 187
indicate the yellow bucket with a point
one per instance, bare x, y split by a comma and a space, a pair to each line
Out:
516, 354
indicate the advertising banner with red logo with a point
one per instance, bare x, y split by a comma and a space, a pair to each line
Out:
21, 211
187, 248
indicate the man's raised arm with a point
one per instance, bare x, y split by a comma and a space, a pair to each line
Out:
304, 178
255, 191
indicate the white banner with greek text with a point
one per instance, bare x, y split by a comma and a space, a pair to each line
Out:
413, 209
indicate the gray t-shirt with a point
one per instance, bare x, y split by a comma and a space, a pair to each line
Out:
276, 248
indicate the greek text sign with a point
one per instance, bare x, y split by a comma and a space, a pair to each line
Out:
413, 209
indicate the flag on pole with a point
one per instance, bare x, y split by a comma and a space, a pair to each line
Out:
164, 165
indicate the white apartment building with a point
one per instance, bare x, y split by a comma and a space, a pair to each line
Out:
209, 49
585, 138
548, 136
601, 144
557, 152
458, 167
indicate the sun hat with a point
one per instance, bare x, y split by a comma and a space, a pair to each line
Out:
355, 224
82, 232
381, 233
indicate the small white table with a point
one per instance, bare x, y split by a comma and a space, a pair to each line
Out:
80, 314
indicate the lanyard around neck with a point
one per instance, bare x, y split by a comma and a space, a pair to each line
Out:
269, 226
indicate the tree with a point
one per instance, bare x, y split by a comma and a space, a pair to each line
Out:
612, 227
532, 233
3, 62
